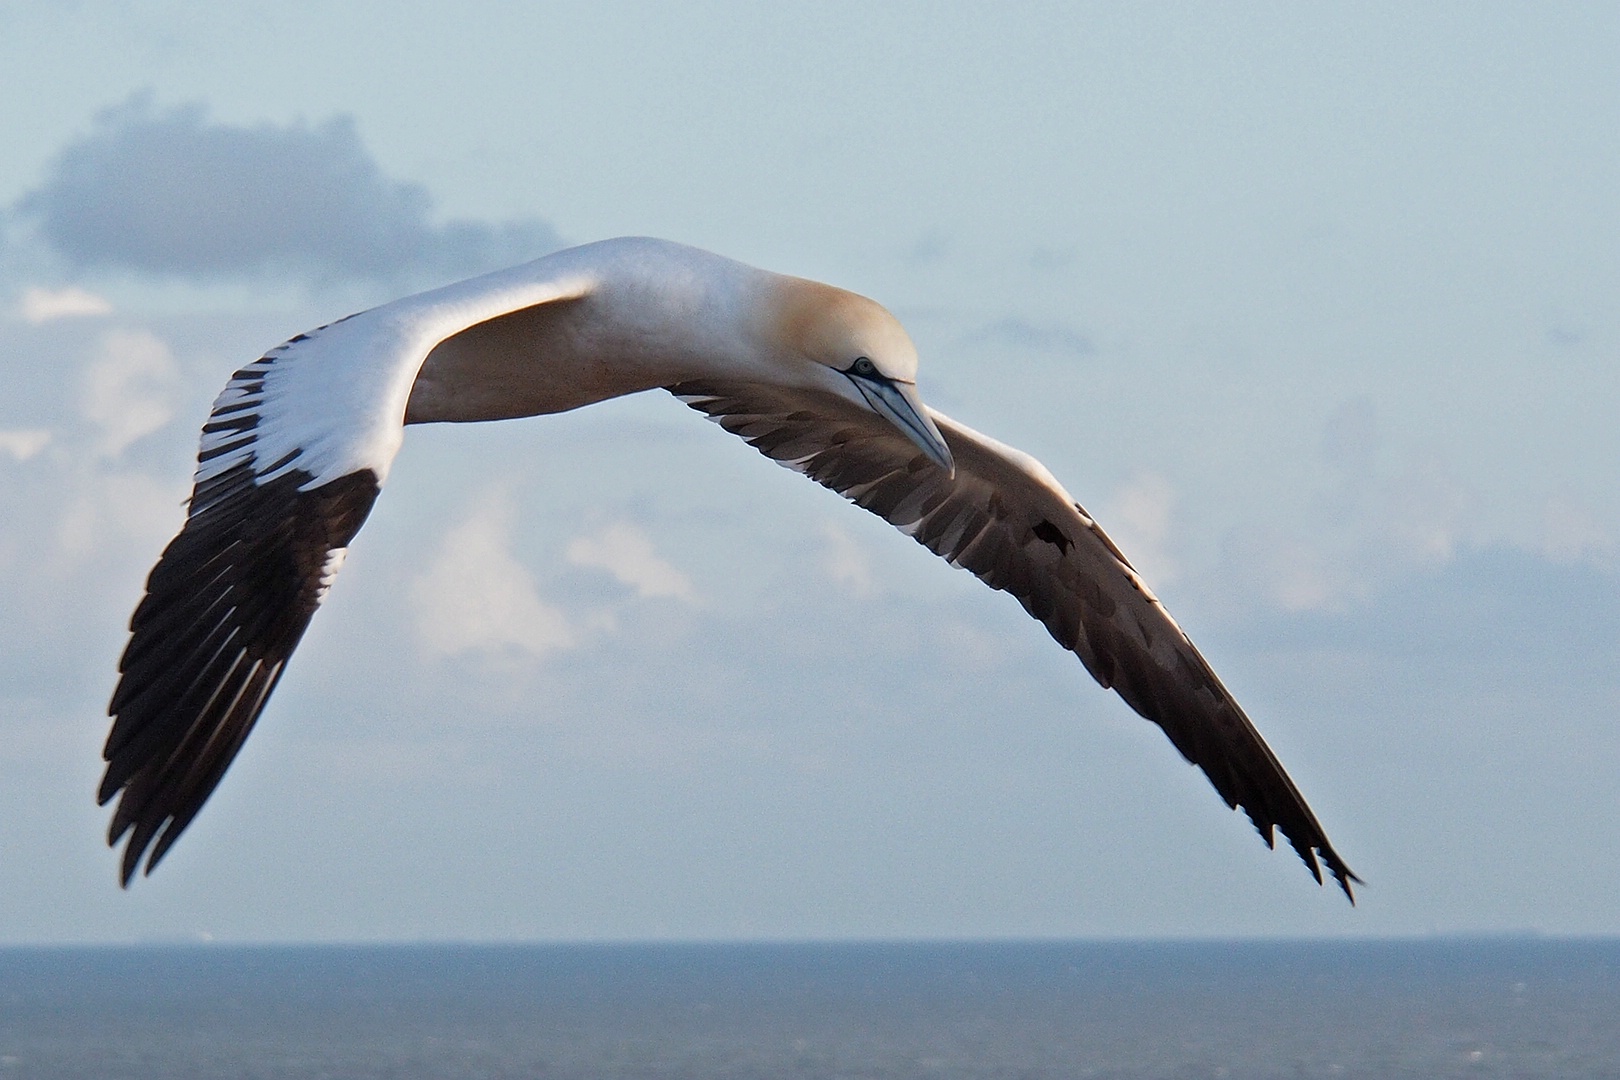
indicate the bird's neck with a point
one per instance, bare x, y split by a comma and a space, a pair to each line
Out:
651, 318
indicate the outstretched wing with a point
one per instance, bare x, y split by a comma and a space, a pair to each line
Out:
1004, 517
292, 458
224, 608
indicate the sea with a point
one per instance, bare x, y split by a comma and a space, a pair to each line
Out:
1384, 1010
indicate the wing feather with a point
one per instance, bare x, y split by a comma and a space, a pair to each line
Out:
1003, 517
227, 603
290, 461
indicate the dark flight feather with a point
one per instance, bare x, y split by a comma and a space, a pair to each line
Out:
224, 608
1014, 530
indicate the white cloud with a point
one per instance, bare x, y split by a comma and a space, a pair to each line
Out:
476, 597
1300, 582
47, 305
627, 553
1380, 509
1283, 571
845, 562
127, 388
1429, 510
129, 510
24, 443
1138, 519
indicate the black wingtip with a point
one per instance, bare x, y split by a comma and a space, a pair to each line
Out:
1344, 876
128, 864
224, 608
1312, 855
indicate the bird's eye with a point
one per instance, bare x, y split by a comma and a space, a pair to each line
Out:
864, 368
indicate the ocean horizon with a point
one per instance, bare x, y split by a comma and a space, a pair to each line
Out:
1520, 1006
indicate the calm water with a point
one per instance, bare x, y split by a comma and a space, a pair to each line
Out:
1387, 1010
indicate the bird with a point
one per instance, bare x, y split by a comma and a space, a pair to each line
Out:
299, 443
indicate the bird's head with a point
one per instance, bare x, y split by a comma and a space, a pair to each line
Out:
856, 348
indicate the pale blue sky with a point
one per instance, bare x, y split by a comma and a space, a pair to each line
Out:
1315, 311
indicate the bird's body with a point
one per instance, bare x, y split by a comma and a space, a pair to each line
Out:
820, 379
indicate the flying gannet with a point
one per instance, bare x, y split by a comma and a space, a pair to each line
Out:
821, 380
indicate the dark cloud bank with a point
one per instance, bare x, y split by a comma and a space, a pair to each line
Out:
170, 192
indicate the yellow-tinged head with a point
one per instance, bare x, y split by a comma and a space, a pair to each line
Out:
833, 326
859, 340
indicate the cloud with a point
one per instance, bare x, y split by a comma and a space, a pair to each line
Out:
929, 248
1429, 508
24, 443
171, 193
1350, 436
1498, 613
1049, 260
131, 509
1048, 337
1378, 509
85, 512
1571, 533
127, 389
476, 597
47, 305
1139, 519
1286, 573
845, 562
627, 553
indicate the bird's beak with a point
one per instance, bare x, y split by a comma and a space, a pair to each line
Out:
899, 404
